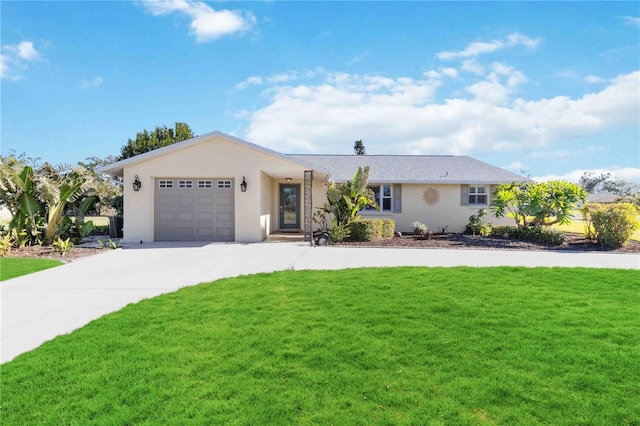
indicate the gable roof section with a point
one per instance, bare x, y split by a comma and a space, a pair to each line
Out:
412, 168
116, 169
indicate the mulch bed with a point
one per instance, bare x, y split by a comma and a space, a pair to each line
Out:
47, 252
575, 242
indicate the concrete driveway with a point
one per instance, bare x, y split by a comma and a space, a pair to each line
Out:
38, 307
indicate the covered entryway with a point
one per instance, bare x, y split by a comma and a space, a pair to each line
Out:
194, 209
289, 206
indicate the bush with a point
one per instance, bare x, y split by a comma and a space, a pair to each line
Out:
501, 230
533, 234
338, 231
371, 229
614, 224
476, 225
539, 234
420, 228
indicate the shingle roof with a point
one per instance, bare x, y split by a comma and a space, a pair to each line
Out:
411, 168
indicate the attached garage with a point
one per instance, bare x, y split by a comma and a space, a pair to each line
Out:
194, 209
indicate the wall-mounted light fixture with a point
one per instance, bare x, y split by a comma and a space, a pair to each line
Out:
243, 185
288, 180
137, 184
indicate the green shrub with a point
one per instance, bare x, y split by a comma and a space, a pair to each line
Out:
339, 231
371, 229
614, 224
542, 235
476, 225
501, 230
388, 228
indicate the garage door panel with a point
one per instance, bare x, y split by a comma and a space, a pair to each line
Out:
185, 200
205, 201
185, 216
203, 211
224, 233
224, 200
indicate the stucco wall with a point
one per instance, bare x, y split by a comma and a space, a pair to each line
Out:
266, 185
446, 212
215, 158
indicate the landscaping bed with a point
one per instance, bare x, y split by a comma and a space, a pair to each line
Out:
47, 252
575, 242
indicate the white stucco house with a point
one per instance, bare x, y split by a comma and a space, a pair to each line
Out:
217, 187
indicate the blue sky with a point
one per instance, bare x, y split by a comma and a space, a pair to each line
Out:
552, 88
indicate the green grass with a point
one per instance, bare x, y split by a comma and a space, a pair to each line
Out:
389, 346
12, 267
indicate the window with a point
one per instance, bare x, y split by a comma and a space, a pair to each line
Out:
478, 195
224, 184
205, 184
165, 184
185, 184
383, 197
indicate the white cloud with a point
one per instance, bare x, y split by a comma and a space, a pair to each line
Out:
251, 81
15, 58
206, 23
632, 20
593, 79
478, 48
399, 115
516, 166
628, 174
95, 82
449, 72
472, 66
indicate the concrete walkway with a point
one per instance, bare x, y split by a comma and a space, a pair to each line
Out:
38, 307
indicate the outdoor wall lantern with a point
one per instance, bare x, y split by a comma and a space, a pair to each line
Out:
137, 184
243, 185
288, 180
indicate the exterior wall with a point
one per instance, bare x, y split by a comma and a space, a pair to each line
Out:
447, 212
216, 158
266, 214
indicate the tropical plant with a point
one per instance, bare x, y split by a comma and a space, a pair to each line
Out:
6, 242
477, 226
18, 195
346, 200
63, 246
109, 244
59, 186
537, 204
419, 228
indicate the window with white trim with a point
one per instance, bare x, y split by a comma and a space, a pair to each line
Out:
224, 184
165, 184
185, 184
383, 196
478, 195
205, 184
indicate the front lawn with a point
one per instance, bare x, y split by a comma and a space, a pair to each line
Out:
12, 267
354, 347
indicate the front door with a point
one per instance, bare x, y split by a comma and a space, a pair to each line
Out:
289, 206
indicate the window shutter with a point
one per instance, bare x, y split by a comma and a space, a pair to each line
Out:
397, 198
464, 195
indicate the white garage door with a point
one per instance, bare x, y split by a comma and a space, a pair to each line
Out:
194, 209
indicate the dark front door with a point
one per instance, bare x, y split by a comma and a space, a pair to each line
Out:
289, 206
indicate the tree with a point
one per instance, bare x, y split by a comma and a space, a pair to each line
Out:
106, 190
537, 204
358, 148
592, 182
146, 141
